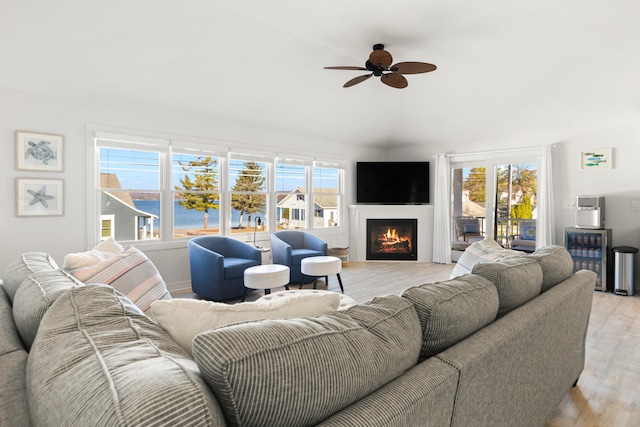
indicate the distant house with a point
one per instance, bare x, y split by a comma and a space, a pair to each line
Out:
119, 217
291, 210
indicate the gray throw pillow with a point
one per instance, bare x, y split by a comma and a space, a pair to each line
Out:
451, 311
300, 371
518, 280
556, 263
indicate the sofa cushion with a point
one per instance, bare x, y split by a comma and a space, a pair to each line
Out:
26, 264
452, 310
97, 360
556, 263
14, 411
297, 255
104, 250
309, 368
35, 296
470, 228
131, 273
481, 251
234, 267
518, 280
183, 319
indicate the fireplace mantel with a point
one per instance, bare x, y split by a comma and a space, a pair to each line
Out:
358, 215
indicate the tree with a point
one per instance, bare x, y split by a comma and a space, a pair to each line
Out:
476, 184
517, 182
205, 186
251, 179
523, 210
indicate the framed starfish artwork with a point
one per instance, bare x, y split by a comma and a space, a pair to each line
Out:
39, 197
39, 151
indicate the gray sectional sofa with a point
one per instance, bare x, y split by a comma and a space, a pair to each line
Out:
498, 347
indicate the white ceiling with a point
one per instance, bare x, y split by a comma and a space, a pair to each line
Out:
505, 68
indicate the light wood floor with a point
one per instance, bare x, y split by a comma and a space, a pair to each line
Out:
608, 392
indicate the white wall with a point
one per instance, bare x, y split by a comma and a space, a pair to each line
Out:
68, 233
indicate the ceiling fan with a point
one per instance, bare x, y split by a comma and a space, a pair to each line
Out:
379, 64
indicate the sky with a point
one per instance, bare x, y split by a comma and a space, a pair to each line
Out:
140, 170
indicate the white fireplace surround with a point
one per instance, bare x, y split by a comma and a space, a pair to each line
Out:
358, 215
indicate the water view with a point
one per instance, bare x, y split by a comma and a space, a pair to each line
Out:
185, 219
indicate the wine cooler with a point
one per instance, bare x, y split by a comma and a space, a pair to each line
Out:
591, 250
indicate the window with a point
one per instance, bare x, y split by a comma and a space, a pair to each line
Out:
468, 203
497, 194
516, 198
327, 196
129, 184
106, 227
291, 194
248, 187
150, 188
155, 189
196, 194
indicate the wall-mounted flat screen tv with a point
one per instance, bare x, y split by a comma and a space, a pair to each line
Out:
392, 182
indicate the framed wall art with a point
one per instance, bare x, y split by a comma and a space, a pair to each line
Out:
39, 151
601, 158
39, 197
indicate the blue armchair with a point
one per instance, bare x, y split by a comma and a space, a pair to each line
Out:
218, 264
290, 247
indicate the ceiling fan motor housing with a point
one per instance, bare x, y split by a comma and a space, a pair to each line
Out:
376, 70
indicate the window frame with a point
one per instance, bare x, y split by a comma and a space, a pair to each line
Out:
179, 149
491, 161
258, 157
300, 196
168, 144
340, 171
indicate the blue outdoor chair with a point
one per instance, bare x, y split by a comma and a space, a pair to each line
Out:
218, 264
290, 247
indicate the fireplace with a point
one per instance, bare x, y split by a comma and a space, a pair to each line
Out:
392, 239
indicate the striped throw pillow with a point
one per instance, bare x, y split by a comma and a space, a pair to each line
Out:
129, 272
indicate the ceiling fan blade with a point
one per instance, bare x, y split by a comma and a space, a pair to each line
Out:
396, 80
412, 67
357, 80
346, 68
381, 58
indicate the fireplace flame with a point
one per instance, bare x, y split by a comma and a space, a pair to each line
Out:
392, 241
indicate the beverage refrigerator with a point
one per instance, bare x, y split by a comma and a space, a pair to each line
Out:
591, 250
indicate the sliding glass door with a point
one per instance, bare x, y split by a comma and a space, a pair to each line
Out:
468, 208
493, 198
516, 202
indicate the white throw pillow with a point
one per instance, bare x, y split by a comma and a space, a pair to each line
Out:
104, 250
185, 318
485, 250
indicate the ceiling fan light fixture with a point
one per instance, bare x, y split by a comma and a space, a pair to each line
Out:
379, 64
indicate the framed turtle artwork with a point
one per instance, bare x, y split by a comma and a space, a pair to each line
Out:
39, 151
39, 197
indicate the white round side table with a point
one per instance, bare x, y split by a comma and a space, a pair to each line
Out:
322, 266
265, 277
